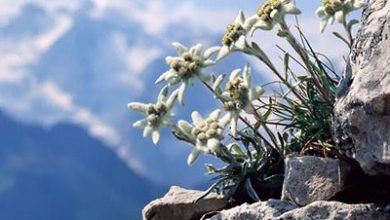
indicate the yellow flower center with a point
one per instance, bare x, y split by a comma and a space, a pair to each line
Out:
207, 129
238, 92
187, 67
233, 32
331, 6
264, 12
155, 112
234, 88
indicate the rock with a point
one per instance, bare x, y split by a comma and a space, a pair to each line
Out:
329, 210
310, 178
362, 111
260, 210
178, 203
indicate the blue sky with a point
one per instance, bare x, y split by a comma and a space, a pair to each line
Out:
81, 61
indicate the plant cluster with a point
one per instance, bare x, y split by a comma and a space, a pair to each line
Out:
293, 116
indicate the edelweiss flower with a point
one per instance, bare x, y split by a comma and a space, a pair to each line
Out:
206, 133
157, 115
331, 10
273, 12
238, 95
235, 35
187, 66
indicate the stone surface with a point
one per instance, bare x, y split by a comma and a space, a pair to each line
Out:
310, 178
328, 210
178, 203
362, 111
260, 210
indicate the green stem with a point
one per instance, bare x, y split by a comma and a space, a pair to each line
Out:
350, 38
305, 58
252, 51
267, 130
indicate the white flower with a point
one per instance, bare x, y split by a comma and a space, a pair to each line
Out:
238, 95
156, 115
205, 133
331, 10
272, 12
187, 66
235, 36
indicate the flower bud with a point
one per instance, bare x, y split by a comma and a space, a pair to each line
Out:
211, 133
202, 137
152, 119
187, 56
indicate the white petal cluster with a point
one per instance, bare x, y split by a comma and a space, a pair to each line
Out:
238, 95
235, 35
156, 115
331, 10
272, 12
206, 133
186, 67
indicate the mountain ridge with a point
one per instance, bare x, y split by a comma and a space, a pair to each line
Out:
63, 173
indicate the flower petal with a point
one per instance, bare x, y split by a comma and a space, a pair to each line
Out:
240, 19
148, 131
185, 127
179, 48
233, 126
170, 59
140, 123
215, 114
246, 73
210, 51
213, 145
320, 12
275, 14
262, 25
171, 100
234, 74
340, 16
218, 82
193, 156
241, 42
223, 52
255, 93
331, 20
225, 119
163, 94
197, 50
181, 91
250, 22
173, 80
163, 76
290, 8
139, 107
196, 118
323, 24
155, 136
225, 96
207, 63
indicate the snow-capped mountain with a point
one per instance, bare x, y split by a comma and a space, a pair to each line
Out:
63, 173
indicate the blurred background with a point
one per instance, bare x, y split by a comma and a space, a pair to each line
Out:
68, 68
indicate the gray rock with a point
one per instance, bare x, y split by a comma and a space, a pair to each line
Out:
178, 203
328, 210
260, 210
362, 112
310, 178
